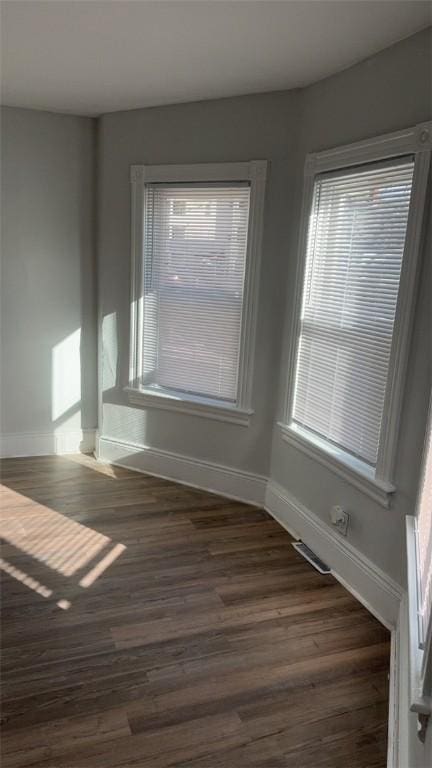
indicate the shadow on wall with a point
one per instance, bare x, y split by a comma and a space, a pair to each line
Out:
73, 389
48, 303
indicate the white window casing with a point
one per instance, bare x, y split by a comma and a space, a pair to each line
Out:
359, 249
419, 569
196, 241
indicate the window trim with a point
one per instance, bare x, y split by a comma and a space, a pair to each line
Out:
415, 141
192, 405
420, 695
254, 172
357, 472
419, 659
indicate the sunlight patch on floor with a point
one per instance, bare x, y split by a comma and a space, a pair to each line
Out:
24, 578
88, 461
102, 565
59, 543
51, 538
64, 604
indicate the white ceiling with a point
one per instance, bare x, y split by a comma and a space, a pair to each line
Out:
91, 57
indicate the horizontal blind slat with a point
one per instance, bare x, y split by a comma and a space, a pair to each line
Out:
354, 256
195, 256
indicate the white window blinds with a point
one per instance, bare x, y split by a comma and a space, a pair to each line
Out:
424, 540
194, 267
354, 255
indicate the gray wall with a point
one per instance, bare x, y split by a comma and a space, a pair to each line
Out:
389, 91
48, 340
47, 239
48, 273
251, 127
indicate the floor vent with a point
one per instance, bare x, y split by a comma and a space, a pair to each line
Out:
311, 557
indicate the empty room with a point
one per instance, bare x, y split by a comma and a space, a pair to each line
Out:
216, 384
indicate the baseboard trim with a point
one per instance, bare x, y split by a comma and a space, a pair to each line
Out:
233, 483
382, 596
47, 443
366, 581
359, 575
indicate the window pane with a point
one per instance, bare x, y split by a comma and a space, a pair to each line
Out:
354, 255
195, 256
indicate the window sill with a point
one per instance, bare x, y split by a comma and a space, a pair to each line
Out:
351, 469
194, 406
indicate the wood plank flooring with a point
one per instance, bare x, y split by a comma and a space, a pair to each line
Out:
148, 624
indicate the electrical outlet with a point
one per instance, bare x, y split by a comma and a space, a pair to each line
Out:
340, 519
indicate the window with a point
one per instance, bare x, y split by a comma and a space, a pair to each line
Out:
359, 253
194, 294
194, 267
355, 248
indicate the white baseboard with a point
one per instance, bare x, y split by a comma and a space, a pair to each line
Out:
216, 478
365, 580
47, 443
382, 596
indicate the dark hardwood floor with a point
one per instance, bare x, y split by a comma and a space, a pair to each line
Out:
148, 624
